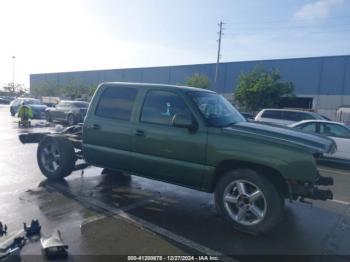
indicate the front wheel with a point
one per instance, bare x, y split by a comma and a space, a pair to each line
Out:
71, 120
248, 201
48, 117
56, 157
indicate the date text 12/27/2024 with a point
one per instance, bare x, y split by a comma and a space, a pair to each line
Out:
173, 258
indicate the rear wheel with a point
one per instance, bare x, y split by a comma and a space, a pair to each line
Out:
56, 157
48, 117
248, 201
71, 120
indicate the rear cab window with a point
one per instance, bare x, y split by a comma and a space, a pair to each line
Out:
116, 102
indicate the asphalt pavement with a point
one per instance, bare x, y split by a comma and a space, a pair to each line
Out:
117, 214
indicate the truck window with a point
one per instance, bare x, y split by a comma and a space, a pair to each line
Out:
310, 127
160, 107
334, 130
272, 114
116, 103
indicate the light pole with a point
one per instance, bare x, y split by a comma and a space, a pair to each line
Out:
13, 70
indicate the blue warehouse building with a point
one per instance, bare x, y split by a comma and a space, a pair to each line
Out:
323, 82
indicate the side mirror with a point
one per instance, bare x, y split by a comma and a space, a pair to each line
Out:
184, 121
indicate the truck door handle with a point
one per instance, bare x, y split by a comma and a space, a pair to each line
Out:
96, 126
139, 132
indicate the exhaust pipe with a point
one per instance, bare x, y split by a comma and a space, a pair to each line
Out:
319, 194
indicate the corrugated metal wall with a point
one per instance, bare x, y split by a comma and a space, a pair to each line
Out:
311, 76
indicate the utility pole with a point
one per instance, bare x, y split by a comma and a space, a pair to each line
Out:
218, 57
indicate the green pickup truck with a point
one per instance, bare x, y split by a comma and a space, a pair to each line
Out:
193, 138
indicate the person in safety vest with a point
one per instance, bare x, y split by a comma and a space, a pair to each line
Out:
25, 113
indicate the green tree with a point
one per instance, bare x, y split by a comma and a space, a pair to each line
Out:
260, 89
69, 89
198, 80
47, 88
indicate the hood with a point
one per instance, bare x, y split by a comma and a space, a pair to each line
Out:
316, 144
38, 107
83, 110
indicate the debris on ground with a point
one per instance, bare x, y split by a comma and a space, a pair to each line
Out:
54, 246
3, 229
12, 251
33, 230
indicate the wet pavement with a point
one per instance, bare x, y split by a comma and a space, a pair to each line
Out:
116, 214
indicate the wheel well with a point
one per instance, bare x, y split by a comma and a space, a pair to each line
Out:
269, 173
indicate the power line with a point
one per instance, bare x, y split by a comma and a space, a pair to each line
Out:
279, 32
278, 21
218, 55
289, 27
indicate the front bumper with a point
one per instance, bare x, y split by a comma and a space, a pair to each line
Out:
302, 190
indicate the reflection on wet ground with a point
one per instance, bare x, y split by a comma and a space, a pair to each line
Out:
191, 214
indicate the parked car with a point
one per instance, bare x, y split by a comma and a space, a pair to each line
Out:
6, 100
3, 101
343, 114
248, 116
285, 116
194, 138
38, 108
339, 132
71, 112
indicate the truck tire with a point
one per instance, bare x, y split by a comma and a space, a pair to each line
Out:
48, 117
248, 201
56, 157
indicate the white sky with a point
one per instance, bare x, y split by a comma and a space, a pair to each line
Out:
72, 35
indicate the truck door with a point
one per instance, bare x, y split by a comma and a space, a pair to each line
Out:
107, 128
163, 151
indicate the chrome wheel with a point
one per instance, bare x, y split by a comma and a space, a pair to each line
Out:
245, 202
50, 157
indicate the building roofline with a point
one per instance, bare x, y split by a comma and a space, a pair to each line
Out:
202, 64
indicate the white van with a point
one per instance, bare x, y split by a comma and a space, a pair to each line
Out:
285, 116
343, 115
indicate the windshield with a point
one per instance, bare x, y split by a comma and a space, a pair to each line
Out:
317, 116
216, 110
80, 104
32, 102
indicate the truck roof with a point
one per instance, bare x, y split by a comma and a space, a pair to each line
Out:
163, 86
